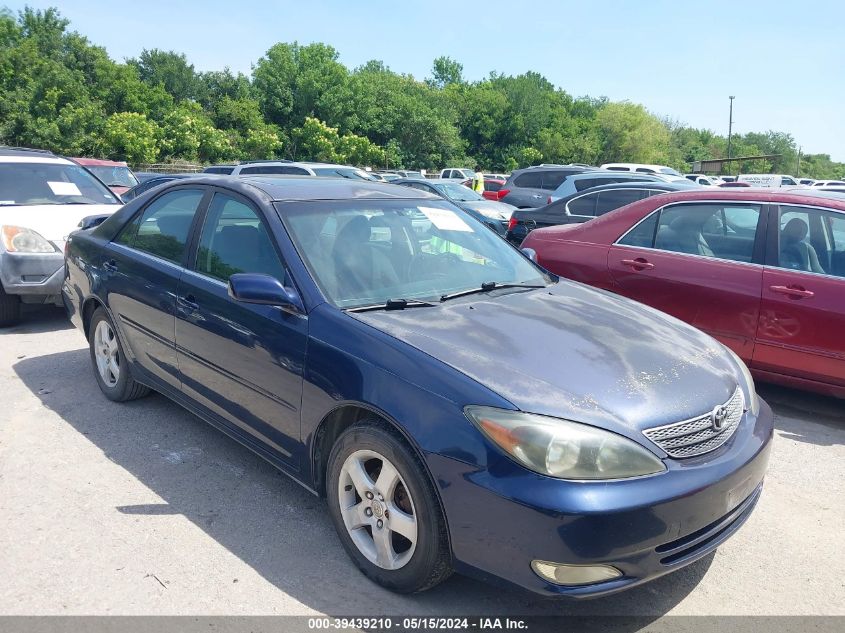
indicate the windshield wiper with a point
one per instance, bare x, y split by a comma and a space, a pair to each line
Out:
487, 286
393, 304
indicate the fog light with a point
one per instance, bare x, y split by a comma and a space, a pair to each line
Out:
561, 574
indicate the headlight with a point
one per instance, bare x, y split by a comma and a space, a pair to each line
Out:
748, 387
17, 239
563, 449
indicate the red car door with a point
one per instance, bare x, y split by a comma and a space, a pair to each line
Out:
802, 315
700, 262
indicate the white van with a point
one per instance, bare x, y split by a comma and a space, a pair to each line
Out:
768, 180
668, 174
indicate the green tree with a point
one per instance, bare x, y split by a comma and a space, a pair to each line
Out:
187, 132
292, 81
168, 69
446, 71
132, 137
629, 133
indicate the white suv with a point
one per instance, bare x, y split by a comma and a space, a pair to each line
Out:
42, 199
289, 168
457, 174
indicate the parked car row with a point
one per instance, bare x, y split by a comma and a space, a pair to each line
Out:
621, 444
581, 206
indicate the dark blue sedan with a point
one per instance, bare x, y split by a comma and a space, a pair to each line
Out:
460, 408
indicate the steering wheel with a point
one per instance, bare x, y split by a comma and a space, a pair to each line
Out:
427, 266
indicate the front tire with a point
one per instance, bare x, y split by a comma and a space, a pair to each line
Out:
385, 510
10, 308
110, 367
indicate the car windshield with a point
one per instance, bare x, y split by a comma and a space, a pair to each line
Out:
34, 183
117, 176
669, 171
457, 192
363, 253
343, 172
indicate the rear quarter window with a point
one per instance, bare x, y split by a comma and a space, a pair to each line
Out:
530, 180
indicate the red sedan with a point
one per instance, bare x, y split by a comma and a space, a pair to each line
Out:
761, 271
116, 175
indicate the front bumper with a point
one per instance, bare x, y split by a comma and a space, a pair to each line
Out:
502, 517
35, 277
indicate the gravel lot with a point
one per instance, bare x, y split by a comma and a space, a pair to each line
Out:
145, 509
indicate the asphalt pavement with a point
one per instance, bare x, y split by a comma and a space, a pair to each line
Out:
142, 508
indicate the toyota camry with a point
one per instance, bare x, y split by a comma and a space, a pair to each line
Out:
459, 408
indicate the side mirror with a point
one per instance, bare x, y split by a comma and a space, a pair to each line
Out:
530, 253
264, 290
90, 221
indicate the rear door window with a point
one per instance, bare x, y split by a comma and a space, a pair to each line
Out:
587, 183
585, 205
613, 199
164, 226
708, 230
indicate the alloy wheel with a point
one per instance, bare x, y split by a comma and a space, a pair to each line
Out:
106, 353
377, 509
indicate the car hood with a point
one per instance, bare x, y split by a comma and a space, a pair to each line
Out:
52, 221
573, 352
490, 208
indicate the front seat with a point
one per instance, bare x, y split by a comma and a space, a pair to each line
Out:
361, 269
795, 253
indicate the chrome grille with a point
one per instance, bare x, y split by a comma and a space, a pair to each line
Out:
698, 435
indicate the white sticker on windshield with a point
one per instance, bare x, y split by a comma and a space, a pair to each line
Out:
64, 188
445, 220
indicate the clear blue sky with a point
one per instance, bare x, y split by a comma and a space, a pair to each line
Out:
784, 62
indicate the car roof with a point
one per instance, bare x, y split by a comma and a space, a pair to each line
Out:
296, 188
329, 165
751, 194
447, 181
641, 184
6, 150
98, 162
609, 173
168, 177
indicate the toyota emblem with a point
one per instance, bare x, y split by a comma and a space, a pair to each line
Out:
718, 417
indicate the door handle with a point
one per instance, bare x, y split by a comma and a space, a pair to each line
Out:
188, 302
793, 292
638, 264
111, 266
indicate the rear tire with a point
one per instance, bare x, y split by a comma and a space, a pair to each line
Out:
10, 308
110, 367
385, 509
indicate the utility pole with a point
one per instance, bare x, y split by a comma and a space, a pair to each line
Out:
798, 166
730, 125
